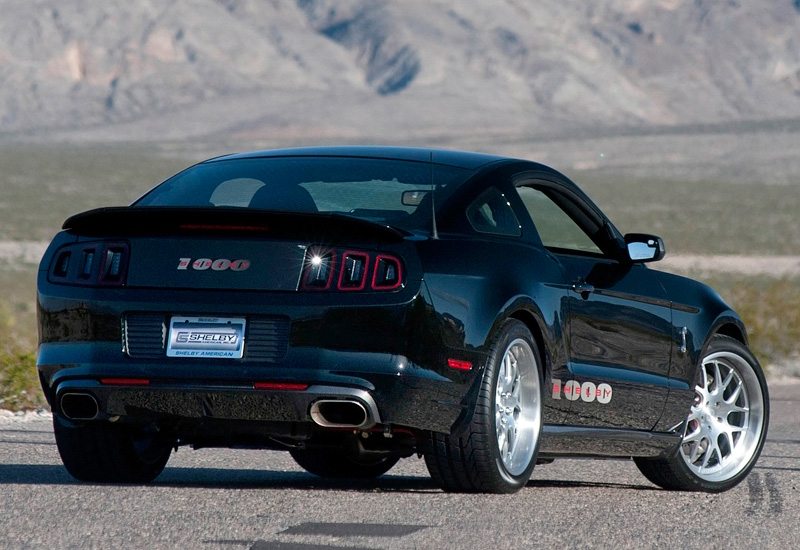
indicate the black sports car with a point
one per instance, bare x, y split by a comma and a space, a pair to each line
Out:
359, 305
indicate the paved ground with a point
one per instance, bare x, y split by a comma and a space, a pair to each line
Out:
229, 499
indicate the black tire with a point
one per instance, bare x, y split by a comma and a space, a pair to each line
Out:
110, 453
336, 464
732, 398
474, 462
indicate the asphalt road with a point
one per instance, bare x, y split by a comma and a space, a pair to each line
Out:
242, 499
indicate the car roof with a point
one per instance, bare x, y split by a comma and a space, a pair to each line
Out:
461, 159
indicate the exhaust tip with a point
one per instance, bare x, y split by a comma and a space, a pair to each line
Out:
340, 413
79, 406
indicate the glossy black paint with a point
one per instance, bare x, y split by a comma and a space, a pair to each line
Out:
597, 320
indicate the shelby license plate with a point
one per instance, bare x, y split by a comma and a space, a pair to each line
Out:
221, 337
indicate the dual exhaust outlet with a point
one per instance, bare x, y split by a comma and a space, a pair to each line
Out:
348, 412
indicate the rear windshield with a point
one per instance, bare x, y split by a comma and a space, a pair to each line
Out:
388, 191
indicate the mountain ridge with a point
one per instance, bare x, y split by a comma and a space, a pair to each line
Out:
373, 69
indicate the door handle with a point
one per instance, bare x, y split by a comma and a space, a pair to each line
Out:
583, 288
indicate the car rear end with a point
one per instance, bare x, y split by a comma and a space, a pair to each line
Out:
237, 326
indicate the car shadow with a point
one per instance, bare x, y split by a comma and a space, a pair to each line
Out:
561, 484
225, 478
221, 478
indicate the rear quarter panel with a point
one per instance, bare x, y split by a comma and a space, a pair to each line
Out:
476, 283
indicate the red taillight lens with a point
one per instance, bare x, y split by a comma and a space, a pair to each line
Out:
280, 386
459, 365
353, 270
92, 264
125, 381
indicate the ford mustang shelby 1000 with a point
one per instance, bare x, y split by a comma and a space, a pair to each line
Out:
358, 305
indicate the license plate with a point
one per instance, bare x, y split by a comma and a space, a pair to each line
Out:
215, 337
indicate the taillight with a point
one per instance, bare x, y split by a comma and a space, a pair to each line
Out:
353, 270
387, 273
318, 270
91, 264
353, 275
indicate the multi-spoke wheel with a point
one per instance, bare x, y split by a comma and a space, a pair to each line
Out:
498, 451
726, 427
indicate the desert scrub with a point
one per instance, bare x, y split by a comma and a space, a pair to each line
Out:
19, 383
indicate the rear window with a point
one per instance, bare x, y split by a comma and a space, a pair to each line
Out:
388, 191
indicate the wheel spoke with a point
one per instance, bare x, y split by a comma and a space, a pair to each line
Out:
508, 372
502, 441
727, 381
712, 449
735, 409
511, 403
735, 395
695, 435
717, 377
696, 451
729, 438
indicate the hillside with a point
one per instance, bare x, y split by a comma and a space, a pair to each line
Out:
373, 69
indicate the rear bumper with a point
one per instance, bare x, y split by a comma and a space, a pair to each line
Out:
386, 348
390, 389
169, 400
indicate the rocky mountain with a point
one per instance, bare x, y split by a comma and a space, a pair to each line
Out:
381, 69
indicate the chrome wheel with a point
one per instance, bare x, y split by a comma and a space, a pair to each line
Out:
517, 407
724, 428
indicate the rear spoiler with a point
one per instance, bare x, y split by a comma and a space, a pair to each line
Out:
155, 220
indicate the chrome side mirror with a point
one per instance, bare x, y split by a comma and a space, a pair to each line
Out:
644, 248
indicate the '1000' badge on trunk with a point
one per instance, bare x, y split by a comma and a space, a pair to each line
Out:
212, 337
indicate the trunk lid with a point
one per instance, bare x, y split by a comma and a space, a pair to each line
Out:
223, 248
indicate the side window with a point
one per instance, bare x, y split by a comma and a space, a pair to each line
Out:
556, 228
491, 213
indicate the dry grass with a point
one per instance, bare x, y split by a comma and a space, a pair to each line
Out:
43, 185
708, 217
19, 383
770, 309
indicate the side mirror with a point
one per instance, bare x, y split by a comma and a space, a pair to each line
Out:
644, 248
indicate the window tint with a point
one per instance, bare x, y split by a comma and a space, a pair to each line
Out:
236, 192
491, 213
365, 188
556, 229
